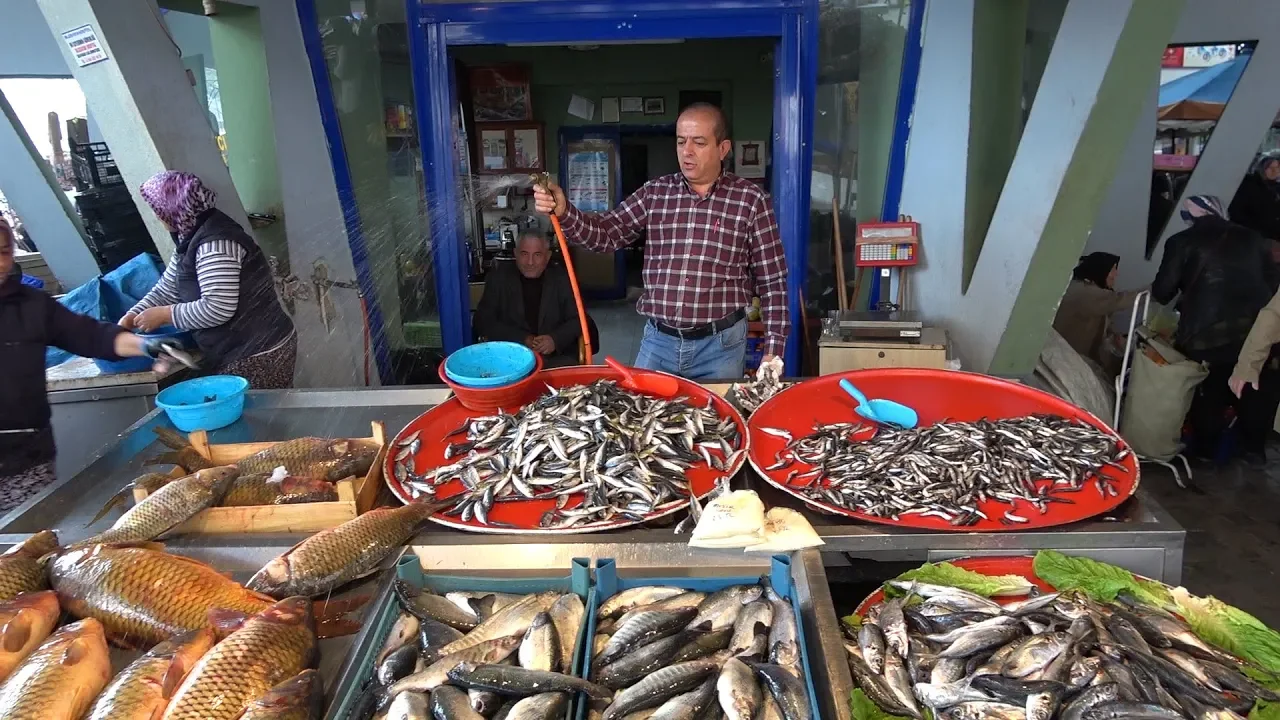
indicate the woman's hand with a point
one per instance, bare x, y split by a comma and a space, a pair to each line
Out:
154, 318
1237, 384
129, 321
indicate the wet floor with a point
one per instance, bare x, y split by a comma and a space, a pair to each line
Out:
1233, 531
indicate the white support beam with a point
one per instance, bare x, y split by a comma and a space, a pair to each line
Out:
142, 100
28, 184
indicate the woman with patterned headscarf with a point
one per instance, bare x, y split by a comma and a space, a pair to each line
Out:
218, 285
1257, 201
1221, 275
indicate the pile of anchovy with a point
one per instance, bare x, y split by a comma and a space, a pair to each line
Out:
949, 469
966, 657
625, 455
750, 396
673, 653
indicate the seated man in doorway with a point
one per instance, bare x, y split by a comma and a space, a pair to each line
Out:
530, 303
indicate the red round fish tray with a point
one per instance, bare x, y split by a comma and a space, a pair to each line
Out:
524, 517
936, 395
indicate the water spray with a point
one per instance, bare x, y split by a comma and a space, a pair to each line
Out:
543, 180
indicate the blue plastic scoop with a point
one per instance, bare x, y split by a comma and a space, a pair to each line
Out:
882, 412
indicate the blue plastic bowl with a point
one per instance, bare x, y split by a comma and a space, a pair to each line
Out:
142, 364
206, 403
490, 364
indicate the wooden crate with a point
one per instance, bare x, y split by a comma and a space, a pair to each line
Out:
355, 496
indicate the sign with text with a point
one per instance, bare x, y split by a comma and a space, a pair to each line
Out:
85, 45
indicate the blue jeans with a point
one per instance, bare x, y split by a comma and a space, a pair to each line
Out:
716, 357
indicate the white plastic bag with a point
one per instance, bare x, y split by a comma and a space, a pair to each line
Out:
786, 530
734, 519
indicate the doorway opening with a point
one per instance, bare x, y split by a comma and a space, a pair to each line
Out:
600, 119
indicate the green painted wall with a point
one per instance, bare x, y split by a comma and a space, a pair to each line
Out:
236, 36
1132, 70
995, 121
741, 70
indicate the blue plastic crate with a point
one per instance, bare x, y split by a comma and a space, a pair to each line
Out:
409, 568
755, 352
608, 584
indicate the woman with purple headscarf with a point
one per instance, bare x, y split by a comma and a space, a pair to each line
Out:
1221, 275
218, 285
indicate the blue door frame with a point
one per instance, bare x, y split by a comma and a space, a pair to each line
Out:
433, 28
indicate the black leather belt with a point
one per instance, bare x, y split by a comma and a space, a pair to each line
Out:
701, 331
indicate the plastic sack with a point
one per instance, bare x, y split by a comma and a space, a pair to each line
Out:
786, 530
734, 519
1157, 399
108, 297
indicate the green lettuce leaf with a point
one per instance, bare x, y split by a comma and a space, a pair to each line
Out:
852, 620
863, 708
1098, 580
1230, 628
1263, 710
944, 573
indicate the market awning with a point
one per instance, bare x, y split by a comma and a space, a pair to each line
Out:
1203, 94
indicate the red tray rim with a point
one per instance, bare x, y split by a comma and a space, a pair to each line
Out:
914, 522
991, 565
605, 373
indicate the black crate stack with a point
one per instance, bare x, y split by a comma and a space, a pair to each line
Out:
111, 219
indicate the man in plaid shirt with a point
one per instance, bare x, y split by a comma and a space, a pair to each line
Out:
711, 244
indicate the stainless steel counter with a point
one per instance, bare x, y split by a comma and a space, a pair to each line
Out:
1141, 536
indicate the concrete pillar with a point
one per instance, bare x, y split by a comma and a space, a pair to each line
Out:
28, 184
239, 56
1078, 128
142, 100
1092, 90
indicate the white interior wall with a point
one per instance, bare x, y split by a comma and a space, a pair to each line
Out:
1121, 224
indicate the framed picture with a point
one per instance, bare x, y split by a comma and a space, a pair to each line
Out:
510, 148
501, 94
751, 158
493, 150
526, 148
609, 110
655, 106
632, 104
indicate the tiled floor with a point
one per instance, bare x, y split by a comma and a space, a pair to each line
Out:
620, 328
1233, 532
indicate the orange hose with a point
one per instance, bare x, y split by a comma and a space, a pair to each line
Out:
573, 283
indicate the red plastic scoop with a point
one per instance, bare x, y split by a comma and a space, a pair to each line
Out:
649, 383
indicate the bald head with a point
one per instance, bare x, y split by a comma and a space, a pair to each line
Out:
702, 144
533, 251
711, 113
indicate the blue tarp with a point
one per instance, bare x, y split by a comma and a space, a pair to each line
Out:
107, 297
1213, 84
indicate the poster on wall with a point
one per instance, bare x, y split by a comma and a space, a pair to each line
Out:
501, 94
588, 180
85, 46
751, 157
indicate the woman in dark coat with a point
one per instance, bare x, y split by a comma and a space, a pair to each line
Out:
1257, 201
218, 285
31, 321
1089, 302
1221, 274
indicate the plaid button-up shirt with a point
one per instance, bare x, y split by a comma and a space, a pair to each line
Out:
704, 256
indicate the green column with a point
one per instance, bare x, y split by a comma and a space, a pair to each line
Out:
1133, 68
235, 34
995, 117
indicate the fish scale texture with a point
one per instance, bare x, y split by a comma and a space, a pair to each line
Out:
241, 669
334, 557
43, 688
20, 569
145, 596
